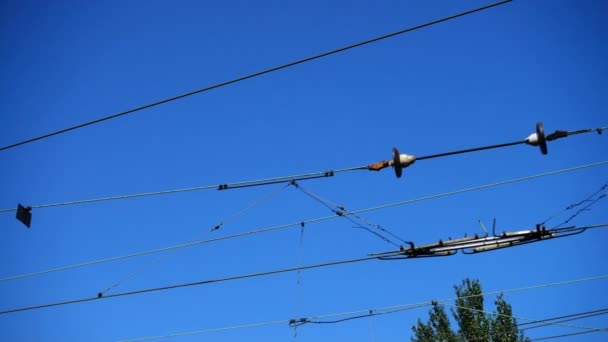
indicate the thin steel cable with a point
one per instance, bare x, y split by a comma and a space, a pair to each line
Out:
599, 311
256, 74
196, 283
225, 186
205, 282
564, 335
554, 320
147, 266
341, 210
445, 154
401, 307
577, 204
283, 226
249, 207
528, 319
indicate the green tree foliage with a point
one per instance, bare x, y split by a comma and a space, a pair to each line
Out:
474, 324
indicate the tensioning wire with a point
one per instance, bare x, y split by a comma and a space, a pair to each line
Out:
206, 282
256, 74
361, 313
254, 232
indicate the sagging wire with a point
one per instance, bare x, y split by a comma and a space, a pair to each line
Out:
358, 221
149, 265
590, 200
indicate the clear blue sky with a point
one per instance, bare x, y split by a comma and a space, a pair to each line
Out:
483, 79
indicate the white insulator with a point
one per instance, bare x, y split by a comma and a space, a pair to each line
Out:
406, 160
532, 139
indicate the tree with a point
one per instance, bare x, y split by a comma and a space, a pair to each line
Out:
474, 324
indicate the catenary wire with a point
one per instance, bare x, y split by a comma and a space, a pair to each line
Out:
564, 335
276, 180
256, 74
547, 322
283, 226
564, 318
264, 181
216, 280
190, 284
362, 312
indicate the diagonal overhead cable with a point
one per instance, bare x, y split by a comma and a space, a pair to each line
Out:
255, 74
297, 224
398, 162
364, 312
447, 248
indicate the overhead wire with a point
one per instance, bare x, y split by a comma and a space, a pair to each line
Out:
396, 163
256, 74
564, 335
223, 186
365, 312
289, 225
519, 318
593, 198
560, 319
410, 253
285, 179
148, 265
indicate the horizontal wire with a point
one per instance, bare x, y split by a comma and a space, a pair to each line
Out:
269, 181
196, 283
256, 74
445, 154
575, 318
529, 319
564, 335
205, 282
388, 308
600, 311
295, 224
257, 182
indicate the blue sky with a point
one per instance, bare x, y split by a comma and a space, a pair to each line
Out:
483, 79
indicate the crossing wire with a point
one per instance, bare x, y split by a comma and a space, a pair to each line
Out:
365, 312
256, 74
295, 224
216, 280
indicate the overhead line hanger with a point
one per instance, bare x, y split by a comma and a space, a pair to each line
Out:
253, 75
